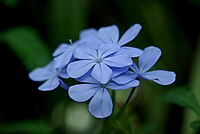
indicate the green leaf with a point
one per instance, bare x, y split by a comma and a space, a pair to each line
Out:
184, 97
148, 128
195, 125
122, 127
27, 127
65, 19
27, 45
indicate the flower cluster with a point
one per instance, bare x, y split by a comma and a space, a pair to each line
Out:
100, 62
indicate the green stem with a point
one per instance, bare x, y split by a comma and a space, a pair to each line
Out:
126, 103
113, 97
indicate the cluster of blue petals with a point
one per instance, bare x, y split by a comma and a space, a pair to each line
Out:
100, 62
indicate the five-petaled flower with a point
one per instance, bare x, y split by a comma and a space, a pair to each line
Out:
149, 57
100, 61
51, 75
100, 105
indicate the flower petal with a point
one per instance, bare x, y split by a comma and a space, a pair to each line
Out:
130, 34
63, 59
87, 78
109, 34
118, 60
134, 68
125, 77
61, 49
161, 77
101, 105
87, 32
108, 49
49, 84
115, 86
79, 68
63, 85
131, 51
148, 58
40, 74
82, 92
118, 70
92, 39
85, 51
63, 73
101, 73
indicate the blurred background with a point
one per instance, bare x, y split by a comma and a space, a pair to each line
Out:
30, 30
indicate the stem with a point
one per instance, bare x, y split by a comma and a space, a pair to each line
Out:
126, 103
113, 98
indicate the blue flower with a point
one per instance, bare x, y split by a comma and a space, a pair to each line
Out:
100, 61
51, 75
148, 58
110, 35
100, 104
64, 54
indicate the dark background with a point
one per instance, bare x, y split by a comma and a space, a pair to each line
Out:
161, 20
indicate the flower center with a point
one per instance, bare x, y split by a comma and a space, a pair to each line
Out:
98, 60
103, 85
98, 57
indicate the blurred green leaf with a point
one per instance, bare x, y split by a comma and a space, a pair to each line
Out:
122, 127
27, 45
11, 3
148, 128
195, 125
184, 97
65, 19
26, 127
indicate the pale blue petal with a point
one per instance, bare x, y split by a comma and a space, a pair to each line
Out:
118, 60
101, 73
79, 68
148, 58
161, 77
134, 67
118, 70
109, 34
87, 78
63, 59
49, 84
87, 32
125, 77
108, 49
131, 51
75, 45
49, 66
40, 74
94, 40
63, 85
130, 34
115, 86
82, 92
61, 49
101, 105
85, 51
63, 73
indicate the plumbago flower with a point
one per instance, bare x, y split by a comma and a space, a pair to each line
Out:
64, 53
100, 62
100, 105
51, 75
102, 50
109, 35
149, 57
